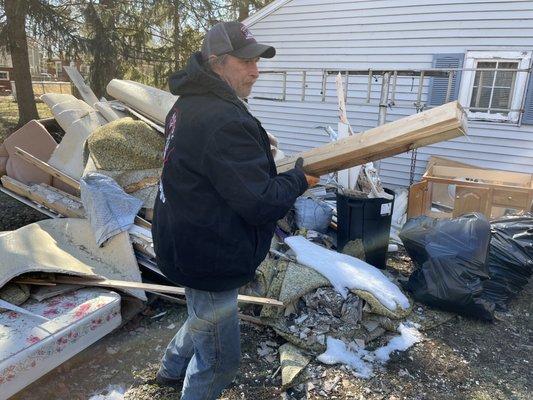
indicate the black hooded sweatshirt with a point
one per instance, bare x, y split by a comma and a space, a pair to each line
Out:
219, 195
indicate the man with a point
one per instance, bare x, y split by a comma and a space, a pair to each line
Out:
219, 199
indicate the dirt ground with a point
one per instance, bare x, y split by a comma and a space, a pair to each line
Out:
460, 359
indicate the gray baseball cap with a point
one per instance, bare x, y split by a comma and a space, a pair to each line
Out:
235, 39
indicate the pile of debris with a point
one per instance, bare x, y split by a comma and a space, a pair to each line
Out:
315, 288
104, 182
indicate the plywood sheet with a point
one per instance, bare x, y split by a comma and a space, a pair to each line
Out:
418, 199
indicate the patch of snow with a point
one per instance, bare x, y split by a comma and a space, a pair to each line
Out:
361, 360
338, 353
346, 272
409, 335
111, 393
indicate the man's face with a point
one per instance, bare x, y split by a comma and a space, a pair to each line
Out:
239, 73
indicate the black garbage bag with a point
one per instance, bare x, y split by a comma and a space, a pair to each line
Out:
510, 259
451, 256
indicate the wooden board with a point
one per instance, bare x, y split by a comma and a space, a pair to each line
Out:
441, 123
149, 287
143, 183
51, 198
48, 168
445, 162
29, 203
85, 91
487, 176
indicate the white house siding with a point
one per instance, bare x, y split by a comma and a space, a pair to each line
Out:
387, 34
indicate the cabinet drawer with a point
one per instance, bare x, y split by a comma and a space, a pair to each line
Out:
510, 198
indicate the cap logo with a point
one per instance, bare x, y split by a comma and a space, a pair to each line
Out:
246, 33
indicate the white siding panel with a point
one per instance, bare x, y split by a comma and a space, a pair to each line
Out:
348, 34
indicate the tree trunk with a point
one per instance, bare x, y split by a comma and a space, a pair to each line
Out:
177, 35
244, 9
18, 47
105, 58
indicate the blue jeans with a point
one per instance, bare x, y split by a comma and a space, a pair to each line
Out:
206, 351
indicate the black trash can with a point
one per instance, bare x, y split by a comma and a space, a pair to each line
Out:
368, 220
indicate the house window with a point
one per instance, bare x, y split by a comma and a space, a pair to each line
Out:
492, 88
4, 75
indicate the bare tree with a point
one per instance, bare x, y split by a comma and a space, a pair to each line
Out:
14, 30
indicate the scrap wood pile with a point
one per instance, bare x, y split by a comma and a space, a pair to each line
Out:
103, 176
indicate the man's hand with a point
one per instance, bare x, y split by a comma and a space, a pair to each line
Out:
311, 180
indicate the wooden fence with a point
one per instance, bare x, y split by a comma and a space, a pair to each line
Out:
42, 87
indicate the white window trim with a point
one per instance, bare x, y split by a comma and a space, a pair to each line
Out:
467, 82
5, 79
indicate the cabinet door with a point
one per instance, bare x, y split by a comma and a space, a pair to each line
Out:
418, 199
469, 199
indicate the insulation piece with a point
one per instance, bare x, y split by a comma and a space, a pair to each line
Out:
69, 111
68, 156
51, 99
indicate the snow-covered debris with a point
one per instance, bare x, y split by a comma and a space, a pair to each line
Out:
338, 353
409, 335
346, 272
361, 360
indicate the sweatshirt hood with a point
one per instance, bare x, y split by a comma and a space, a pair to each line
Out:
196, 79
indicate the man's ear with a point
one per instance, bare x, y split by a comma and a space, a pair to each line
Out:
213, 63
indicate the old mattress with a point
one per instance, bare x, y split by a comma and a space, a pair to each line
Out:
31, 347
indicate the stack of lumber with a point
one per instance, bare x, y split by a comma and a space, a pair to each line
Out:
432, 126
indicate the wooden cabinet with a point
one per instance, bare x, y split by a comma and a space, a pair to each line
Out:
454, 190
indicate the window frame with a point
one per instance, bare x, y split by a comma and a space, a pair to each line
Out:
7, 76
467, 83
